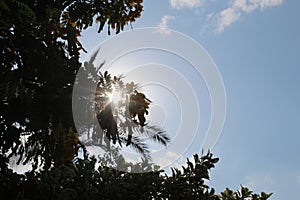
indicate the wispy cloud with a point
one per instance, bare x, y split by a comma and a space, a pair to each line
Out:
241, 7
163, 25
260, 182
168, 158
179, 4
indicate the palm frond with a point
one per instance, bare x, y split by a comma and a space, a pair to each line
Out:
154, 133
139, 146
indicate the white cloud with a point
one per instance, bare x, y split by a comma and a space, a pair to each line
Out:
240, 7
178, 4
226, 18
260, 182
163, 25
266, 3
167, 159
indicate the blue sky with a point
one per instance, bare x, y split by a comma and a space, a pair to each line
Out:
256, 47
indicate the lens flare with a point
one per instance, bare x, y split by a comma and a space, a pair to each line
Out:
115, 96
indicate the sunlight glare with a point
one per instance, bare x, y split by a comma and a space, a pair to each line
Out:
115, 96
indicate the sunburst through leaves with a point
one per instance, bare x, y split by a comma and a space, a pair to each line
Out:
121, 112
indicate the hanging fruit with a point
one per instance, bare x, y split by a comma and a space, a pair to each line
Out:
138, 106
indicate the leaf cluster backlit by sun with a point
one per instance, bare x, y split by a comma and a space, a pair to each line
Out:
121, 112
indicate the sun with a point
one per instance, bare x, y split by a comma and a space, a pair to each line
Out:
115, 96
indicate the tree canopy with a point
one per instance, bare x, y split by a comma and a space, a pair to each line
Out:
122, 120
39, 62
82, 180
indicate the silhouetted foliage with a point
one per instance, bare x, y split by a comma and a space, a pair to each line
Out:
82, 180
39, 61
122, 119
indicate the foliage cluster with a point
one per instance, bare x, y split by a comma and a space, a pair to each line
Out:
39, 61
122, 121
82, 180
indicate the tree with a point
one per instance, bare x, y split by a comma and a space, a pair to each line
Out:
82, 180
122, 121
40, 58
